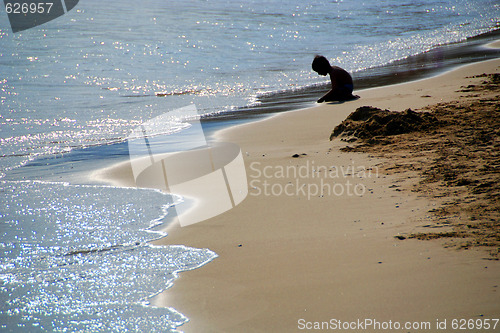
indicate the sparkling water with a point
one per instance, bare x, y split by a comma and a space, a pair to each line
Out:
75, 255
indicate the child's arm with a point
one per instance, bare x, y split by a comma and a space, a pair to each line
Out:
326, 97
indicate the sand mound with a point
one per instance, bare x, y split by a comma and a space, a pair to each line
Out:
368, 122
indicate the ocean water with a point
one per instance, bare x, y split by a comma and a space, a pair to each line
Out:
75, 254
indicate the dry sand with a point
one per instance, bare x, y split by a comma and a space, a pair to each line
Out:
283, 258
454, 147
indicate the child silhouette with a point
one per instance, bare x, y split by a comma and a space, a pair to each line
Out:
341, 81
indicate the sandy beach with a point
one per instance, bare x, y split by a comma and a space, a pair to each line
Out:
292, 257
165, 166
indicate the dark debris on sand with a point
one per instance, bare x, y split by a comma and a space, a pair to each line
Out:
454, 148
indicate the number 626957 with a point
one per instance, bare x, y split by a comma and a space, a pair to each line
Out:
28, 7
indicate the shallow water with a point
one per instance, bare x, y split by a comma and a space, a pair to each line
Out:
77, 258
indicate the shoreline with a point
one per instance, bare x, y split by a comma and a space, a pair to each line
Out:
436, 61
278, 264
419, 66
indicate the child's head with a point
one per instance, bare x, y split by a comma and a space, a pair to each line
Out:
321, 65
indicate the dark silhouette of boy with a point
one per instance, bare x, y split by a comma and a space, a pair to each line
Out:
341, 81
